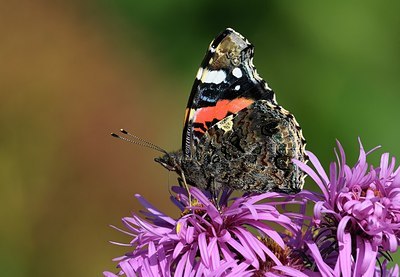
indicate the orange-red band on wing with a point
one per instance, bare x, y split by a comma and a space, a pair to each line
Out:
220, 110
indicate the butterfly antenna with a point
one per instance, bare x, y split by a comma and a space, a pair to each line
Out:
138, 141
142, 140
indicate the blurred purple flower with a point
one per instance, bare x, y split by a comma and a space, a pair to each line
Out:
357, 219
235, 237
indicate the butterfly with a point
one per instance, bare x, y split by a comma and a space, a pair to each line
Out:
235, 134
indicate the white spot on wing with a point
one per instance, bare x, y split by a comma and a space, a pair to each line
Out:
237, 87
214, 76
212, 49
237, 72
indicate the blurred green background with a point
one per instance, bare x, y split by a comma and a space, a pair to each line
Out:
71, 72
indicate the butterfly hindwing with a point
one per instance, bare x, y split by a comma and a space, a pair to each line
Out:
251, 151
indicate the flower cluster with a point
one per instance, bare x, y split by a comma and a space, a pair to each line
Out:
357, 219
231, 237
354, 227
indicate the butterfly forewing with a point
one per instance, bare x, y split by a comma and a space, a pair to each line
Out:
226, 82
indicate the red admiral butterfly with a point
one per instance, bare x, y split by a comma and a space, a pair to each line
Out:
235, 133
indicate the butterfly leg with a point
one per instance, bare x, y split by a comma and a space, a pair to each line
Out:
186, 187
180, 182
214, 193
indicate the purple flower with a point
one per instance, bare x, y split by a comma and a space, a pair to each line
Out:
236, 236
357, 218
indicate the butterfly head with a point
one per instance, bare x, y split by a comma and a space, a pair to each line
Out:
171, 161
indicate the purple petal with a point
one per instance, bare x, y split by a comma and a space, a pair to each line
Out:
205, 258
213, 250
164, 267
333, 181
226, 252
242, 250
149, 227
270, 254
224, 236
223, 200
221, 270
324, 269
189, 236
268, 231
341, 160
349, 205
121, 244
252, 210
190, 261
314, 176
320, 170
394, 272
384, 165
290, 271
362, 157
123, 231
154, 211
201, 270
345, 254
318, 209
180, 267
276, 218
392, 242
127, 269
200, 196
341, 228
181, 195
309, 195
283, 203
177, 203
109, 274
145, 267
153, 262
178, 248
246, 244
360, 256
396, 180
272, 274
240, 270
260, 197
211, 209
337, 270
252, 241
366, 257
